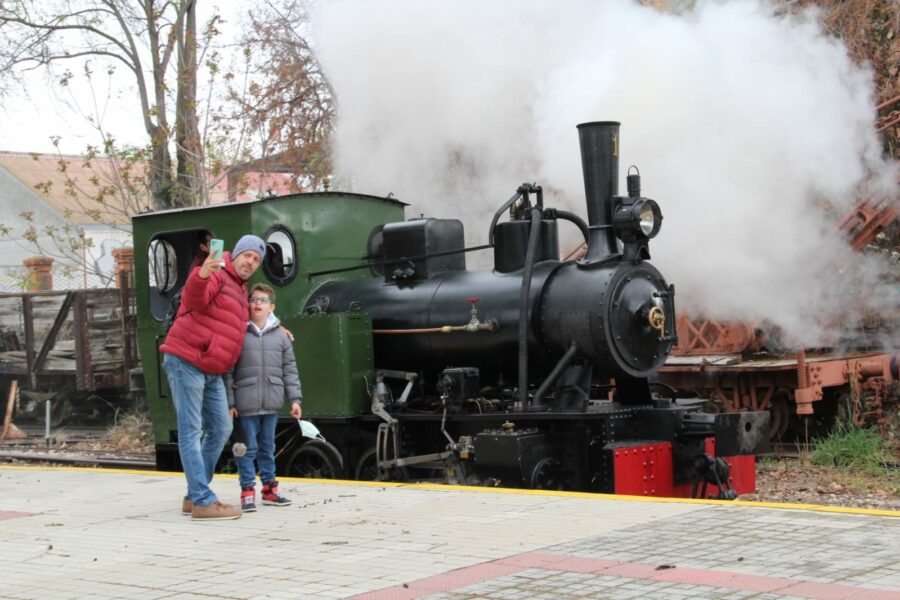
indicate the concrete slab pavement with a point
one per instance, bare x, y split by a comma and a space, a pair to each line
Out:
88, 533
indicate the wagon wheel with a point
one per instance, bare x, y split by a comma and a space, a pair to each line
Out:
844, 405
822, 421
316, 459
780, 411
713, 406
60, 411
546, 475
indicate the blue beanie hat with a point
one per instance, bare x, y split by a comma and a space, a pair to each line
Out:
249, 242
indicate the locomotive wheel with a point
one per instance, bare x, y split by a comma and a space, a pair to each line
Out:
367, 469
316, 459
547, 475
366, 466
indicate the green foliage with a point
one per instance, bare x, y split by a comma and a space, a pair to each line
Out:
852, 447
769, 462
19, 280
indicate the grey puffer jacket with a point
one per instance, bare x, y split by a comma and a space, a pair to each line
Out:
265, 374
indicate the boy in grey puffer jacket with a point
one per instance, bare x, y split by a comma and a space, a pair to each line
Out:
265, 374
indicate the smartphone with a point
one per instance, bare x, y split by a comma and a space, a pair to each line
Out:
216, 247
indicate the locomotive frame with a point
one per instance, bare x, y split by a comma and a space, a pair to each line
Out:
533, 374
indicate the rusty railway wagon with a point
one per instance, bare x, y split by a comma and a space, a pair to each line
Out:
805, 390
531, 374
75, 349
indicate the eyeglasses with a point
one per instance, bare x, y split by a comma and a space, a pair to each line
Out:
259, 300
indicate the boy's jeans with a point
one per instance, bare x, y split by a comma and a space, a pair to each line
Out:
200, 402
259, 435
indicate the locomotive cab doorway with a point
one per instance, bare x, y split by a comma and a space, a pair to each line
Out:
170, 256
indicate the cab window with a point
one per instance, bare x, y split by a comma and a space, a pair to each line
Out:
280, 264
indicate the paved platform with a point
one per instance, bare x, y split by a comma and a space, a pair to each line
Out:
87, 533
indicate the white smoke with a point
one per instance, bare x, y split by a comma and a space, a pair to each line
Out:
741, 121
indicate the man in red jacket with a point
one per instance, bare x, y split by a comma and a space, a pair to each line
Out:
204, 342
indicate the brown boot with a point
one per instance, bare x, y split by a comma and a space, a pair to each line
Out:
215, 512
186, 506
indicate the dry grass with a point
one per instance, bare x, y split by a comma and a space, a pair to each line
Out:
795, 481
133, 433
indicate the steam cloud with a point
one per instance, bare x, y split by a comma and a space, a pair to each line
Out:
741, 121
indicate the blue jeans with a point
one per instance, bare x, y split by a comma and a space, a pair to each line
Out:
200, 404
259, 436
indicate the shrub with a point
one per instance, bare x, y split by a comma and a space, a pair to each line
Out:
853, 448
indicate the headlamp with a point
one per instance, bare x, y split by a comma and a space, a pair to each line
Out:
636, 219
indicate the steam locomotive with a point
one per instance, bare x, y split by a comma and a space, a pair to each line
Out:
536, 373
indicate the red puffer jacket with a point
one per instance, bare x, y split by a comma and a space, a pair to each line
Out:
209, 329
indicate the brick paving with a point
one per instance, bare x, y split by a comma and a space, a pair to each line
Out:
87, 533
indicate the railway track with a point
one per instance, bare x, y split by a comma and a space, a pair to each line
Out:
68, 447
33, 450
131, 460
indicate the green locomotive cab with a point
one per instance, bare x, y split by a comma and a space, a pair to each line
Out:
305, 234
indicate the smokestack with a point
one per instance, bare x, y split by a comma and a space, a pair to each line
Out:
600, 163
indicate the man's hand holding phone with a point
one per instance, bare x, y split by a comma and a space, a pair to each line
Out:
214, 261
216, 247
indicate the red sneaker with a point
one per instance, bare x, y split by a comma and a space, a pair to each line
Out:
248, 498
271, 496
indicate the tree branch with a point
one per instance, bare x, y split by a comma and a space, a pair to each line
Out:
55, 28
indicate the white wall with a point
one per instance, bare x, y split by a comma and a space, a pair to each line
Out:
16, 198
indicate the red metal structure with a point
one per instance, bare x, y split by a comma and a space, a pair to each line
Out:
790, 385
646, 470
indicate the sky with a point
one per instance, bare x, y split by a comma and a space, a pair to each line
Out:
44, 110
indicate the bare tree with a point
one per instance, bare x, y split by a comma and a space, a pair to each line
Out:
282, 110
144, 35
870, 30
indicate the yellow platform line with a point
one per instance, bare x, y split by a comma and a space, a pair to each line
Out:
439, 487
